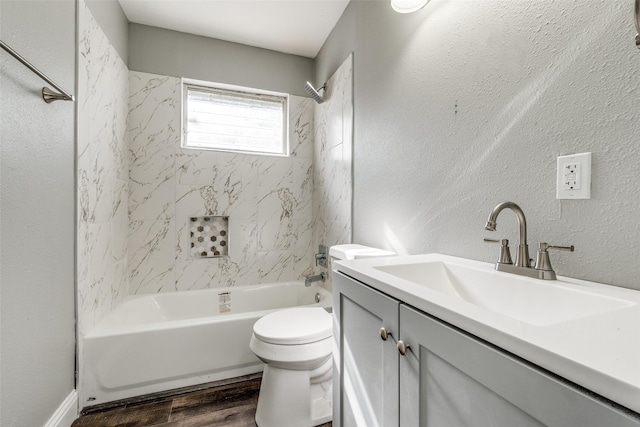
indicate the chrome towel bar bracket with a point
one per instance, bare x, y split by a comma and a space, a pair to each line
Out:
636, 19
47, 94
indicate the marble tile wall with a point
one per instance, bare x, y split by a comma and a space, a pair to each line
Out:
333, 147
269, 200
103, 174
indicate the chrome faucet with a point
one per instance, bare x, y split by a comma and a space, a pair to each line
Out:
317, 278
542, 269
522, 257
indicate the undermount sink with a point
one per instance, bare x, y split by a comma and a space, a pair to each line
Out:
536, 302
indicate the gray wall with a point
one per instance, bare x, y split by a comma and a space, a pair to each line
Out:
114, 23
466, 104
171, 53
37, 356
340, 43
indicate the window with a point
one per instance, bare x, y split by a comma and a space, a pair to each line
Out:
223, 119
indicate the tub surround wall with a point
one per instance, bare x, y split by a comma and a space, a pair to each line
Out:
268, 199
453, 116
103, 174
332, 190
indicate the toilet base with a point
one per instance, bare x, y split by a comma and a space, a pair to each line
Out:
291, 398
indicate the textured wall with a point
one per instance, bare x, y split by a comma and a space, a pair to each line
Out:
268, 199
332, 183
466, 104
37, 348
103, 174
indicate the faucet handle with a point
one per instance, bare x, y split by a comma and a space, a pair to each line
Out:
505, 253
544, 246
321, 256
542, 260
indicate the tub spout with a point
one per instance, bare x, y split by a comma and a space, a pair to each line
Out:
317, 278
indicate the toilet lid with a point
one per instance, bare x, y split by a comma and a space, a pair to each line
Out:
293, 326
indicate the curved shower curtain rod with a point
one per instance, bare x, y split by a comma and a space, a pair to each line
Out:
47, 94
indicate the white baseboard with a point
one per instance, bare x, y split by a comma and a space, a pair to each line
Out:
66, 413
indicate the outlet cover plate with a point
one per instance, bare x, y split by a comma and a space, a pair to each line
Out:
574, 176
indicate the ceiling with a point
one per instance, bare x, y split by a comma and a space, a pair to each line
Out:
299, 27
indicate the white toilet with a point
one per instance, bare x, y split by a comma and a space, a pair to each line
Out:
296, 345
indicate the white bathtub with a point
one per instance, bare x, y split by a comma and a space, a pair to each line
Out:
159, 342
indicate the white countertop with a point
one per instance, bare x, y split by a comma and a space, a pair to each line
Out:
600, 352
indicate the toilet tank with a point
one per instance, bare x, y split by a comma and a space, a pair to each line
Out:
353, 251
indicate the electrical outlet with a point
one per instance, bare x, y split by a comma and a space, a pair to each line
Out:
574, 176
571, 179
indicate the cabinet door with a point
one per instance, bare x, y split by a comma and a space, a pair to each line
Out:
365, 366
449, 378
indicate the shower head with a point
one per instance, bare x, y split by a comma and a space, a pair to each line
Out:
314, 92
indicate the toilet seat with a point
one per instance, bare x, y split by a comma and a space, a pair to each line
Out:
295, 357
294, 326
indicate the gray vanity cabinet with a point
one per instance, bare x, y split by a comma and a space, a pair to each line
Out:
447, 378
450, 378
366, 367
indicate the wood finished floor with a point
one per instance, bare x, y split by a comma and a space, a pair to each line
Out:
230, 405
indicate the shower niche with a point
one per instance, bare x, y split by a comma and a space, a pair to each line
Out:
208, 236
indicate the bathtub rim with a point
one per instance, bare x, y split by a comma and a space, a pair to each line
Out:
100, 330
